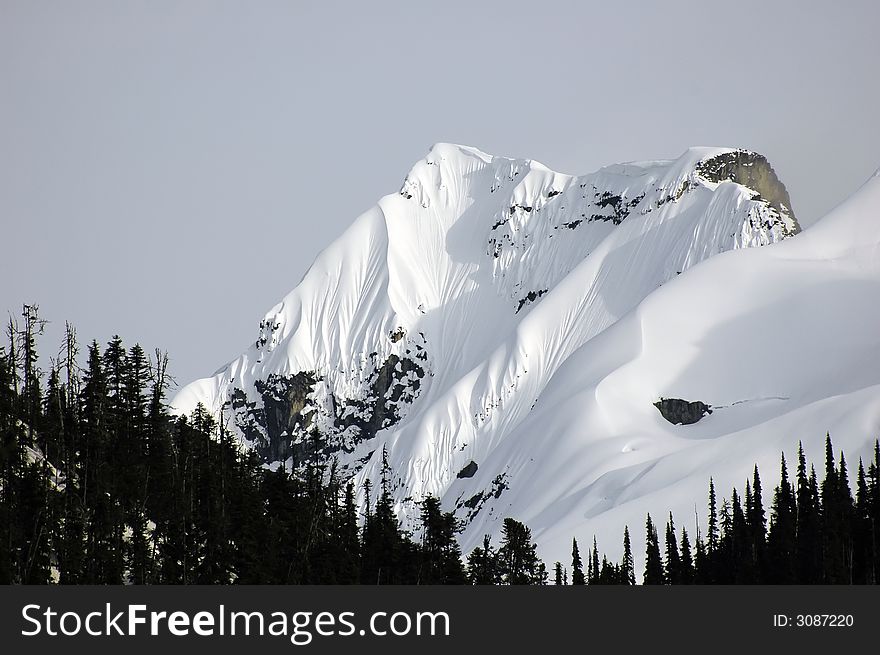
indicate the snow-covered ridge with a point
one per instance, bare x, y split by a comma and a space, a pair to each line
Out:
449, 324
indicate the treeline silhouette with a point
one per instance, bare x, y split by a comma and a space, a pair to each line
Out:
817, 533
101, 484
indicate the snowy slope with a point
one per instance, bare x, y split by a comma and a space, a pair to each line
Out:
783, 343
504, 332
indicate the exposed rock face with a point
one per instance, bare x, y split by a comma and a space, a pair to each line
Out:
753, 171
682, 412
468, 471
281, 428
475, 503
285, 410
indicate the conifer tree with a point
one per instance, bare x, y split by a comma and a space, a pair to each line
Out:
482, 565
104, 557
31, 399
713, 543
577, 566
873, 513
627, 566
518, 562
441, 557
557, 574
832, 563
808, 527
594, 561
653, 562
348, 534
741, 551
688, 574
673, 574
700, 563
862, 570
846, 513
725, 560
782, 537
757, 527
9, 454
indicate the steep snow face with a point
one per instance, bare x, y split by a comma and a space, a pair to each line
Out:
782, 343
462, 325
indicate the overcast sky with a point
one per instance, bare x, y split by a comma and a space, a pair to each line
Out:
168, 170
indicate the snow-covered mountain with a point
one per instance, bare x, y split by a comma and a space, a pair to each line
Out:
527, 343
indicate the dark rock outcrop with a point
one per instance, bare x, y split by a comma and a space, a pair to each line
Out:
282, 427
468, 471
753, 171
682, 412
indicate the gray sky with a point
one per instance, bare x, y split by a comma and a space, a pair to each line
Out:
168, 170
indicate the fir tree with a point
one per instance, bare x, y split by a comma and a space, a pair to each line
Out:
782, 538
741, 550
577, 566
713, 539
808, 527
627, 566
862, 570
701, 564
557, 574
757, 527
518, 562
595, 569
673, 573
441, 557
653, 563
688, 574
482, 565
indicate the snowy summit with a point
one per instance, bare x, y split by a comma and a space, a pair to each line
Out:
571, 351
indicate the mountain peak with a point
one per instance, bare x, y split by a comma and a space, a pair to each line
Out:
696, 165
437, 323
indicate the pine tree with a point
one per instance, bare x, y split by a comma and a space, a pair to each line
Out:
594, 562
577, 566
482, 565
757, 527
808, 527
134, 438
873, 511
653, 562
688, 574
724, 567
741, 550
104, 563
9, 471
700, 563
608, 573
846, 513
31, 399
627, 566
51, 425
441, 557
713, 539
36, 517
348, 534
862, 571
782, 537
835, 497
383, 547
672, 573
518, 561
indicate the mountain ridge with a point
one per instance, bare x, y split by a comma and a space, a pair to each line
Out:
447, 316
